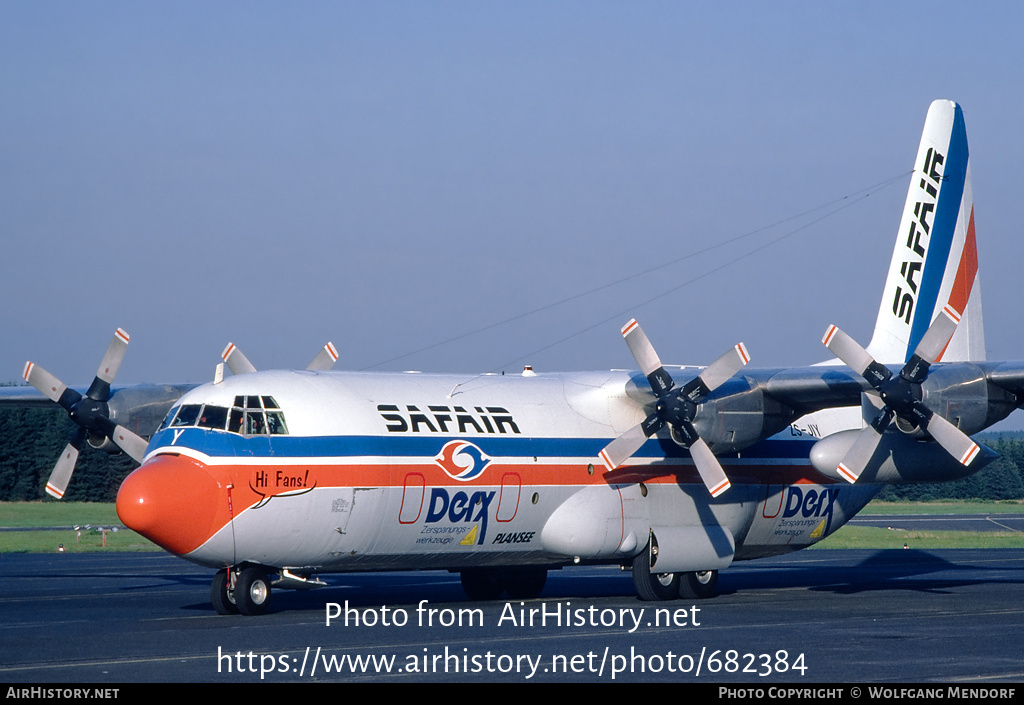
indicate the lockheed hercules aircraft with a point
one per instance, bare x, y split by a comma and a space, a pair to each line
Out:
272, 478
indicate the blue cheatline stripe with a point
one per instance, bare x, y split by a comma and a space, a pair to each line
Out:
222, 444
947, 210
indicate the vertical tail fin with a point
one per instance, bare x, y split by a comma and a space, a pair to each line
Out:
935, 260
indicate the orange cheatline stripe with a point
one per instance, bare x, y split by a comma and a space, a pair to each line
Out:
966, 274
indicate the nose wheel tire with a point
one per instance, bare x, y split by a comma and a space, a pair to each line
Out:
221, 595
252, 591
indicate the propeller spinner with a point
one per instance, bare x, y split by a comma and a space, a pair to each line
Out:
676, 407
900, 395
90, 413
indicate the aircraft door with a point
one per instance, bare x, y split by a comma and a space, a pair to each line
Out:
508, 497
773, 498
413, 491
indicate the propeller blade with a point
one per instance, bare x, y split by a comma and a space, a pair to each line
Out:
956, 442
61, 475
647, 358
640, 346
112, 359
130, 443
856, 358
717, 373
710, 469
109, 365
45, 382
859, 455
237, 362
622, 448
324, 360
722, 369
936, 338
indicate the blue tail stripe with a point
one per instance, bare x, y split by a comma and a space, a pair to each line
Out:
947, 210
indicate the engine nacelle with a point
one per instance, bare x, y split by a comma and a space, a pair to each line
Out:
960, 393
899, 458
141, 408
739, 414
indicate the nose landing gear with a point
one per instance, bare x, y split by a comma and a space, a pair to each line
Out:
245, 590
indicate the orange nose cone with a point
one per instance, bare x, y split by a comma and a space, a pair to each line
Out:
174, 502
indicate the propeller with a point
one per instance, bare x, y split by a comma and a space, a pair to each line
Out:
239, 364
900, 394
90, 413
676, 407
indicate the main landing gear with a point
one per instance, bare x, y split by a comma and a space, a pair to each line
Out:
243, 590
669, 586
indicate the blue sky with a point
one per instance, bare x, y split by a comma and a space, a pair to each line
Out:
393, 175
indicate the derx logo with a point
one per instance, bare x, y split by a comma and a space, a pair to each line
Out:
462, 460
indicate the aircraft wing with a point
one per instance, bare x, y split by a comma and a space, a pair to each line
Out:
976, 385
23, 396
809, 389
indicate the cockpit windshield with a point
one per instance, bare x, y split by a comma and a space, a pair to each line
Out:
249, 416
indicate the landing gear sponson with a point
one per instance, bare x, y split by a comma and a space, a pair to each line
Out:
246, 589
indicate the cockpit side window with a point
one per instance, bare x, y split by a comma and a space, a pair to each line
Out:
213, 417
187, 415
255, 423
236, 420
167, 419
275, 423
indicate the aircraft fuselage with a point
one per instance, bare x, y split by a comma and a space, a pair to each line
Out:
314, 471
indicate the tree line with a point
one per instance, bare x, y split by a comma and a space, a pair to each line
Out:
32, 439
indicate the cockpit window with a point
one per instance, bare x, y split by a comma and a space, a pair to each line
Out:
187, 415
167, 419
213, 417
236, 420
246, 417
275, 423
249, 418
